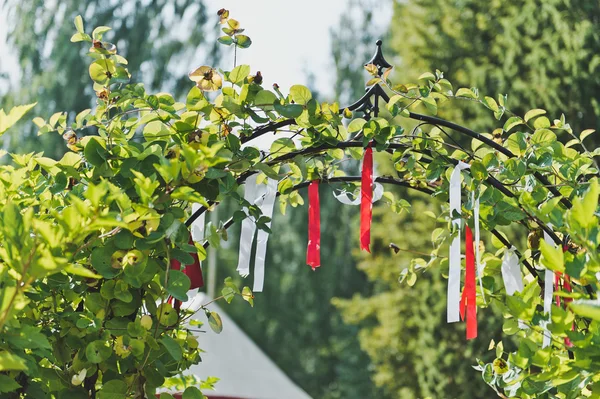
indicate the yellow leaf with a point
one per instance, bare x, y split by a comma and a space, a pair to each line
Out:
387, 73
372, 69
533, 113
206, 78
373, 81
16, 113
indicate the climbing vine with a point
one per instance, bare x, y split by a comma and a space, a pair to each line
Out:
89, 240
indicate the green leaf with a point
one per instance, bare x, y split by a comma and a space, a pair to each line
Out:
533, 113
248, 295
226, 40
541, 123
300, 94
430, 104
214, 321
543, 136
264, 99
100, 70
195, 100
588, 308
8, 384
584, 207
427, 76
228, 292
239, 73
552, 257
478, 170
192, 393
490, 103
80, 37
510, 327
101, 260
586, 133
267, 170
156, 130
9, 362
464, 92
28, 337
121, 292
243, 41
289, 110
79, 24
512, 122
95, 151
113, 389
172, 347
516, 143
178, 285
97, 351
356, 125
99, 31
78, 270
167, 316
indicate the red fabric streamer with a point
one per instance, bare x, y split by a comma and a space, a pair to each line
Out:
313, 251
366, 201
468, 302
193, 271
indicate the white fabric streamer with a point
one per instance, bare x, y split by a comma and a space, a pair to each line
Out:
548, 291
454, 256
478, 264
511, 272
344, 199
266, 207
198, 224
248, 229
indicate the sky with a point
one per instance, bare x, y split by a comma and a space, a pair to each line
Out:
290, 39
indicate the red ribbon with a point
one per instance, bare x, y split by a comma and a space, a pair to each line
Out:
468, 302
313, 251
193, 271
366, 201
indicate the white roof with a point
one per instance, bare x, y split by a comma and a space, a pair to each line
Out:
244, 371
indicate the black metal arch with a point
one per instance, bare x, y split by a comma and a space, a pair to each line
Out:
400, 183
368, 104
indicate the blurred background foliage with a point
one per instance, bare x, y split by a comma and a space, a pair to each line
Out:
348, 330
155, 36
542, 53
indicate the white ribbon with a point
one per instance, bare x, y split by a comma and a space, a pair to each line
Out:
344, 199
262, 237
511, 272
264, 197
248, 229
453, 306
548, 291
198, 224
477, 239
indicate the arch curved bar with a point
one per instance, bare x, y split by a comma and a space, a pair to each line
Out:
400, 183
351, 144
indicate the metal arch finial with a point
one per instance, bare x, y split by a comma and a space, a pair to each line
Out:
378, 60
